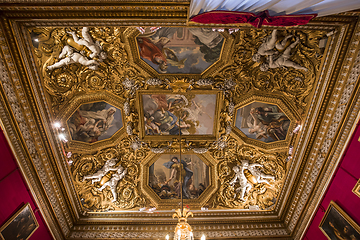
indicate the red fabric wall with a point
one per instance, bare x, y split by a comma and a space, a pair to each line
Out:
340, 188
14, 191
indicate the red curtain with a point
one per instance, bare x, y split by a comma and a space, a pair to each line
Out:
257, 20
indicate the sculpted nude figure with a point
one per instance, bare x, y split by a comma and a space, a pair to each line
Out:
245, 186
267, 47
69, 56
114, 180
108, 166
282, 60
256, 172
87, 41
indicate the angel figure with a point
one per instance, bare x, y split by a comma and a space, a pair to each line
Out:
282, 60
267, 47
114, 180
245, 186
70, 56
256, 126
256, 172
193, 114
87, 41
108, 166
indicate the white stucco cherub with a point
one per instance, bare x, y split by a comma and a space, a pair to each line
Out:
282, 60
108, 166
256, 172
68, 56
245, 186
270, 46
114, 180
87, 41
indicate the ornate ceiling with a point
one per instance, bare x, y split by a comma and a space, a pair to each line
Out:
129, 100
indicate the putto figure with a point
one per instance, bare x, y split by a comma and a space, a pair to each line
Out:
87, 41
282, 60
256, 172
245, 186
69, 56
108, 166
267, 47
114, 180
271, 48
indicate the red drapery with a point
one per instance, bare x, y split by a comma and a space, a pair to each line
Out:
257, 20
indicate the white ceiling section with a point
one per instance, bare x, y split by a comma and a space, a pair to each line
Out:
275, 7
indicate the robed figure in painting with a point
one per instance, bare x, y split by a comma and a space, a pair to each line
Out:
269, 121
178, 171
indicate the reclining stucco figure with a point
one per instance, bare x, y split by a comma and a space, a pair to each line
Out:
245, 186
108, 166
68, 56
114, 180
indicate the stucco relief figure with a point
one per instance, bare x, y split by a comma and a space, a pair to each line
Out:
283, 60
108, 166
114, 180
245, 186
271, 48
267, 48
259, 176
68, 56
87, 41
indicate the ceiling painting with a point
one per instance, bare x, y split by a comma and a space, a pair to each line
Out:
93, 122
166, 172
262, 121
180, 50
174, 114
248, 111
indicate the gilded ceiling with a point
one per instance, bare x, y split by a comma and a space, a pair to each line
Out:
259, 116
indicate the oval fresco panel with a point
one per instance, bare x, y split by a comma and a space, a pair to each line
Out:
180, 50
93, 122
164, 176
262, 121
162, 112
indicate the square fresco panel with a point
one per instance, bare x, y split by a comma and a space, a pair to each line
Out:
21, 226
262, 121
93, 122
336, 224
162, 113
164, 176
180, 50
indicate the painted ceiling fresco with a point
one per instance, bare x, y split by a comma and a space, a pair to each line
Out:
165, 178
242, 116
265, 122
93, 122
180, 50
